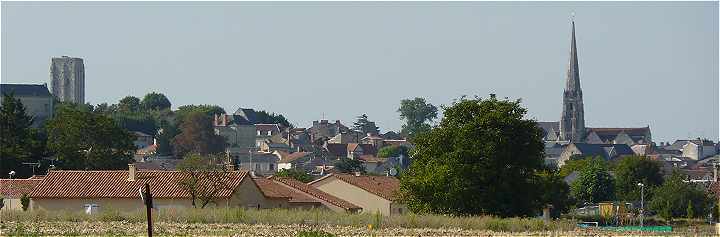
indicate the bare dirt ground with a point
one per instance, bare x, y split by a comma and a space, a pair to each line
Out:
122, 228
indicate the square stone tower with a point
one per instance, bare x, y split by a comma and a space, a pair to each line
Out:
67, 79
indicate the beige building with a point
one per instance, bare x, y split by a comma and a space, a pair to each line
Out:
37, 100
13, 189
93, 191
374, 194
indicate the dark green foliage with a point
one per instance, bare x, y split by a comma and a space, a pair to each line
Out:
554, 191
297, 174
129, 104
210, 110
365, 126
630, 171
155, 101
141, 122
672, 198
577, 162
197, 136
345, 165
392, 151
416, 113
25, 201
272, 118
83, 140
19, 142
594, 183
481, 159
165, 134
690, 211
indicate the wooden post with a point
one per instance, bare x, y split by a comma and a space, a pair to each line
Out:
148, 207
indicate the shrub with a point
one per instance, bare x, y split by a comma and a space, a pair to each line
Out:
25, 201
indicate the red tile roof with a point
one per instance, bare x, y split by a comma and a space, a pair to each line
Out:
15, 188
317, 193
386, 187
287, 158
114, 184
271, 189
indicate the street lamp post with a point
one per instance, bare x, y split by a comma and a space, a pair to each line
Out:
642, 203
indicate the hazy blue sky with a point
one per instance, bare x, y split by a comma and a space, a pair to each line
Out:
641, 63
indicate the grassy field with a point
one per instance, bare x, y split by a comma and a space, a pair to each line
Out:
281, 222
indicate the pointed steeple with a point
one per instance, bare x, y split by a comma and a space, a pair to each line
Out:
572, 83
572, 121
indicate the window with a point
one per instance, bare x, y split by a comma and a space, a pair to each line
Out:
258, 132
91, 208
257, 166
272, 167
269, 133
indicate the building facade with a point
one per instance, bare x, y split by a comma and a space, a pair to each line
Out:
67, 79
36, 99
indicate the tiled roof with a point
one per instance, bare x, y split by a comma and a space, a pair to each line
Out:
603, 149
13, 188
372, 159
271, 189
114, 184
300, 186
367, 148
25, 90
287, 158
383, 186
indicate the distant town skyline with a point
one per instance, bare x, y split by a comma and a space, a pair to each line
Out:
641, 63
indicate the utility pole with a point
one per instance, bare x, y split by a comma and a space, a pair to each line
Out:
147, 199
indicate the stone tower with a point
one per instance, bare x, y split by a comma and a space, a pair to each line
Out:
572, 122
67, 79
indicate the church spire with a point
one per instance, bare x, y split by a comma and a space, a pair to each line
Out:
572, 122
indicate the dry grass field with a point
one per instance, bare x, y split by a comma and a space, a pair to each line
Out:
239, 222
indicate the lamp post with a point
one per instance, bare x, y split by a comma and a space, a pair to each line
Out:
642, 203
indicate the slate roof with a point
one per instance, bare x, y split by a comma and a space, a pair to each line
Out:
244, 116
609, 134
337, 149
383, 186
114, 184
300, 186
263, 128
25, 90
603, 149
15, 188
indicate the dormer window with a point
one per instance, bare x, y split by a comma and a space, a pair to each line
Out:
269, 133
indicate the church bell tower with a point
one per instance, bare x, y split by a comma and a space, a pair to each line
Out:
572, 122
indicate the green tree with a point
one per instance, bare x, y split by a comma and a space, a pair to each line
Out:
155, 101
554, 191
392, 151
83, 140
690, 211
416, 113
272, 118
19, 142
481, 159
165, 134
593, 184
210, 110
297, 174
630, 171
365, 126
674, 195
25, 201
577, 162
129, 104
345, 165
197, 136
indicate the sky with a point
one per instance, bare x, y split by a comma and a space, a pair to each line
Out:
641, 63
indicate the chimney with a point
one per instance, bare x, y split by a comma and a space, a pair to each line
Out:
216, 119
224, 120
337, 122
131, 172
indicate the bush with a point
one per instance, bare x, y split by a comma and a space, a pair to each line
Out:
25, 201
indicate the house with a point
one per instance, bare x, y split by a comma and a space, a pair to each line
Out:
551, 130
326, 200
261, 163
553, 150
284, 197
142, 140
346, 137
333, 151
698, 149
400, 142
356, 150
608, 152
374, 194
299, 160
93, 191
238, 130
12, 191
36, 99
324, 129
264, 132
374, 140
270, 146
